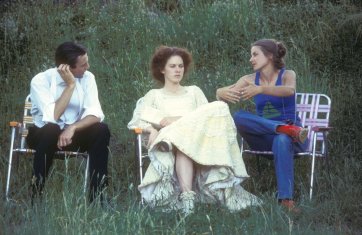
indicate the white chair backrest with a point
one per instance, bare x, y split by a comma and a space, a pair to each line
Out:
27, 120
313, 110
134, 123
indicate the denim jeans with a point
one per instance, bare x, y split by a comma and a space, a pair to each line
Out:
260, 133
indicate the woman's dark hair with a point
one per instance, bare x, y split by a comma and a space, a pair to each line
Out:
161, 56
274, 48
68, 53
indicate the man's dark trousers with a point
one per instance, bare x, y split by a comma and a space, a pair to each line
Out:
93, 139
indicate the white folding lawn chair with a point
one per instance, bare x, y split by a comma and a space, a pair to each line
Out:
141, 139
314, 111
20, 146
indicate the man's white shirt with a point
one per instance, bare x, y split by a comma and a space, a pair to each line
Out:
46, 88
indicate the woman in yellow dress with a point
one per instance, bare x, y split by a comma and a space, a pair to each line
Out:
192, 144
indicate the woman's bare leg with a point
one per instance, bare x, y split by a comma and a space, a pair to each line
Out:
185, 174
185, 171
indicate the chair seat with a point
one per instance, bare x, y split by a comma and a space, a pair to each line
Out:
65, 153
248, 151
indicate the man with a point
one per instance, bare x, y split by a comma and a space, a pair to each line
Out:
68, 116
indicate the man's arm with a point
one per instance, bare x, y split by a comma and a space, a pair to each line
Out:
63, 101
92, 113
66, 136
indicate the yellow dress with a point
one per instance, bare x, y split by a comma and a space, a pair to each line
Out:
207, 134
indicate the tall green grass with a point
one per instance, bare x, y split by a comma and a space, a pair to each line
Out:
64, 209
324, 49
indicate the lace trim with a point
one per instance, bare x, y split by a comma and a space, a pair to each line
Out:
237, 198
162, 192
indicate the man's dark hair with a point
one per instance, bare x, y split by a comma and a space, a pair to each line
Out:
68, 53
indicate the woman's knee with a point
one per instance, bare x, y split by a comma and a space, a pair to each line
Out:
239, 117
283, 139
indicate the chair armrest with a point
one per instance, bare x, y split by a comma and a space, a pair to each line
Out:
14, 124
321, 129
137, 130
140, 133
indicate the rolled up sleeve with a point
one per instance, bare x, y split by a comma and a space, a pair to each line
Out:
92, 105
43, 100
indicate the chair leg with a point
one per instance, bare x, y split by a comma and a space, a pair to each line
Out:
258, 164
10, 163
326, 152
313, 166
140, 160
86, 176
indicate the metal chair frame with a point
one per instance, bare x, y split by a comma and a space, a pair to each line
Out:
23, 132
141, 154
141, 139
314, 111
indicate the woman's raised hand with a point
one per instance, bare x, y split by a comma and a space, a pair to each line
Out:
250, 90
229, 94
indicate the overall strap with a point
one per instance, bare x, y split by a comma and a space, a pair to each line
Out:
279, 79
280, 75
257, 78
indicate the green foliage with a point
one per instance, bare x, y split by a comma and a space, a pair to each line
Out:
324, 48
64, 208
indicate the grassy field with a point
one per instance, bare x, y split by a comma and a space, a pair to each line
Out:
324, 48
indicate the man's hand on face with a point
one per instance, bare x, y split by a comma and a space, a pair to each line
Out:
66, 74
